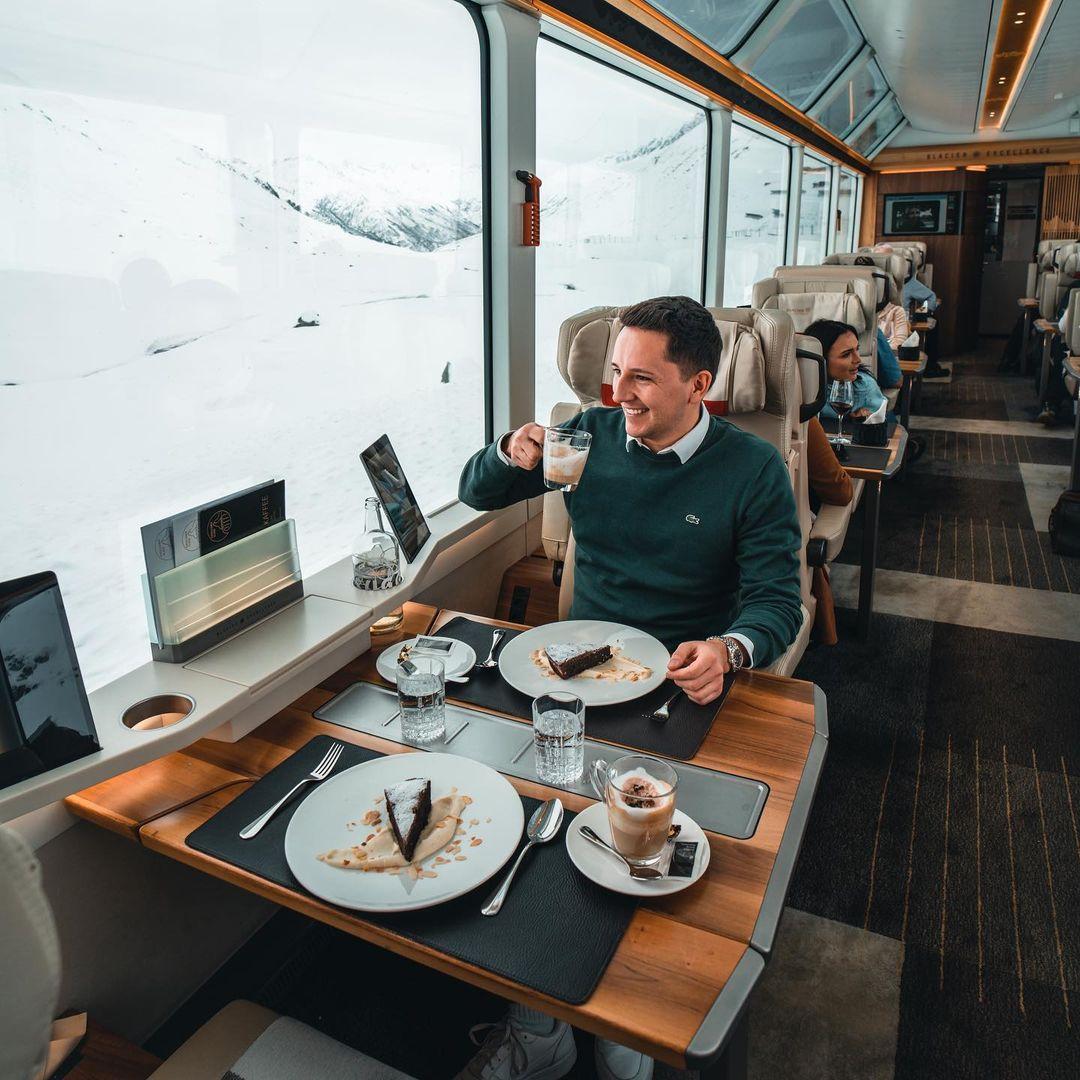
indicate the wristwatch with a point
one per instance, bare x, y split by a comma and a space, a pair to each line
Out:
734, 649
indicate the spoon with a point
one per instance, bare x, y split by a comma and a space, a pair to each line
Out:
646, 873
491, 662
543, 826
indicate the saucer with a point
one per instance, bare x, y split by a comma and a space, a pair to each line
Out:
606, 870
460, 661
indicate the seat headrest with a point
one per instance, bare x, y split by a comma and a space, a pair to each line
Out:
809, 293
898, 268
587, 347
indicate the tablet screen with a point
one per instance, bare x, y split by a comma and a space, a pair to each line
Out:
45, 717
388, 479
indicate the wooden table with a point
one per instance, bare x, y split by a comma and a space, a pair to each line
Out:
705, 947
871, 511
912, 371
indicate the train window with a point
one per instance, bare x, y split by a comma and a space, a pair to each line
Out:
721, 24
238, 243
756, 213
845, 212
624, 167
853, 99
809, 50
814, 210
884, 122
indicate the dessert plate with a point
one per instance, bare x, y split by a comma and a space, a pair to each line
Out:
521, 672
460, 660
331, 817
607, 871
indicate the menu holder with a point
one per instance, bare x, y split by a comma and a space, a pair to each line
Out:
202, 603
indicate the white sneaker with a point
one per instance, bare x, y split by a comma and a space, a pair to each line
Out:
509, 1052
615, 1062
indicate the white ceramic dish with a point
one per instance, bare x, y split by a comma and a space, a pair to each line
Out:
321, 823
607, 871
519, 670
460, 660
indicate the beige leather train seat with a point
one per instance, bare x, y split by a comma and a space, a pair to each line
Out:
914, 252
1047, 258
844, 293
1055, 281
29, 944
758, 387
895, 267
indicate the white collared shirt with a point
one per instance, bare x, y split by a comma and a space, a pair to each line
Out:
684, 449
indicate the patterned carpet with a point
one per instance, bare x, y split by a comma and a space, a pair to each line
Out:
947, 818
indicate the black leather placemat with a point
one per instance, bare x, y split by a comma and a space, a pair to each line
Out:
626, 724
556, 932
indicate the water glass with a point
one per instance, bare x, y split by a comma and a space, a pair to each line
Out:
421, 688
565, 454
559, 738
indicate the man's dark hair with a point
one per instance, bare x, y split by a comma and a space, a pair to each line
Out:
693, 338
827, 331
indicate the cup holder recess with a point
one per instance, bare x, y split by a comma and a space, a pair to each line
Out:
159, 711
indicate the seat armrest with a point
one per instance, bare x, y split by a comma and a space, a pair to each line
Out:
831, 525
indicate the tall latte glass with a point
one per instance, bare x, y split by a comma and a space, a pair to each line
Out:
639, 793
565, 453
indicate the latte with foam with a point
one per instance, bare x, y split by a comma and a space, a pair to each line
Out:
640, 808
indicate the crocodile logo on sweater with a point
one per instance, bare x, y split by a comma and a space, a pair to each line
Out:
691, 519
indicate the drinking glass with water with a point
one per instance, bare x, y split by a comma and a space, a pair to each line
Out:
421, 687
559, 737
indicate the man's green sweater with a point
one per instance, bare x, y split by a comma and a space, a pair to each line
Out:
682, 551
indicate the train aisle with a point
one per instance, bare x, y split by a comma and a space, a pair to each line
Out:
939, 885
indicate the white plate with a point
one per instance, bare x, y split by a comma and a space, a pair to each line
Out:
321, 824
606, 870
521, 673
460, 659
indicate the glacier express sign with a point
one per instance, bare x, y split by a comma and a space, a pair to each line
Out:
1013, 151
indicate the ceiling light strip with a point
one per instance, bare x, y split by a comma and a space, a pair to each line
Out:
1019, 29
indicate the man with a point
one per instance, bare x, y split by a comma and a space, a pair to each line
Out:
686, 528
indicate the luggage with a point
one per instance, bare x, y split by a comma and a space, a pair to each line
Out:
1065, 525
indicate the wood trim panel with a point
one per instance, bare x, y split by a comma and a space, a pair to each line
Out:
1061, 202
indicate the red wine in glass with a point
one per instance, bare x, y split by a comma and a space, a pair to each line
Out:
842, 399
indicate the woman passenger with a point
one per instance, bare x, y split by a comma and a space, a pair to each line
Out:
840, 346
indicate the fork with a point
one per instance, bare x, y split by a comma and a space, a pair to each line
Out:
320, 772
491, 662
662, 713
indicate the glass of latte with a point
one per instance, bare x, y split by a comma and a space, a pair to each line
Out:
565, 454
639, 793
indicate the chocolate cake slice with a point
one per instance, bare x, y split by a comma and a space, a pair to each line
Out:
408, 806
569, 660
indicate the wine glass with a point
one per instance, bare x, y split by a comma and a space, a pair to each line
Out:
841, 398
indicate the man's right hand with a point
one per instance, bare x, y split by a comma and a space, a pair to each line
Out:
525, 447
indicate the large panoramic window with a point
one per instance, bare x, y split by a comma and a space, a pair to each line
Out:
721, 24
236, 244
814, 210
811, 48
624, 167
886, 120
853, 99
756, 212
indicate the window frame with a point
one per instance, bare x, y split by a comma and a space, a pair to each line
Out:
740, 120
665, 89
830, 167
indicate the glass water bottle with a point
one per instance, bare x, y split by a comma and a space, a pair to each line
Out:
376, 563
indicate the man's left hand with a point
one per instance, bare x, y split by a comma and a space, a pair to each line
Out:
698, 668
